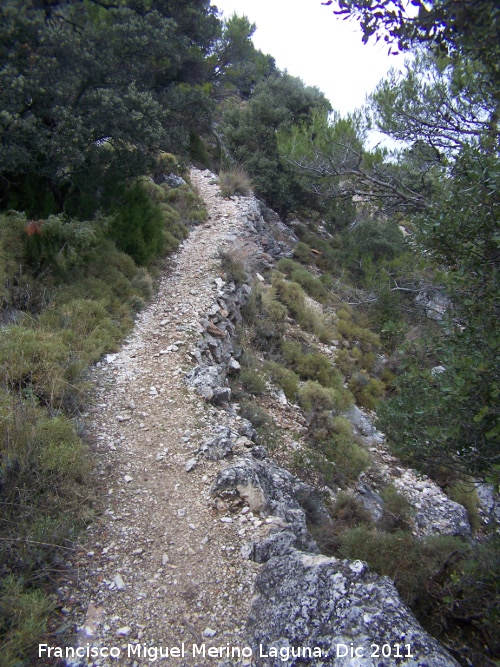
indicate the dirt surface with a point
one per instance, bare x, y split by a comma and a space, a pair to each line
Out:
161, 565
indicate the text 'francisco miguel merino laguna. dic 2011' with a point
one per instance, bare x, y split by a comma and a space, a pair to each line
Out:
283, 653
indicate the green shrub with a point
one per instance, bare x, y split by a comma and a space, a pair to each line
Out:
267, 319
345, 362
465, 493
60, 244
39, 454
284, 378
347, 512
293, 297
298, 274
342, 449
143, 283
233, 268
410, 562
397, 511
259, 417
366, 390
311, 365
189, 206
24, 618
252, 381
85, 328
315, 366
44, 469
234, 182
39, 362
262, 421
366, 339
313, 396
137, 225
310, 284
302, 252
287, 266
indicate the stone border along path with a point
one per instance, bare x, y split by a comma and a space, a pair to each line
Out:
161, 565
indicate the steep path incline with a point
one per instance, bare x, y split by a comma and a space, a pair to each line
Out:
161, 566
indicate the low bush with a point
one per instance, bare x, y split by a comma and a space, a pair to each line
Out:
284, 378
310, 284
346, 512
188, 205
298, 274
407, 560
293, 297
23, 620
312, 365
342, 449
367, 391
252, 381
233, 269
465, 493
302, 252
37, 363
262, 421
397, 511
317, 400
234, 182
137, 225
85, 328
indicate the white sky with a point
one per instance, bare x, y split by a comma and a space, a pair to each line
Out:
309, 41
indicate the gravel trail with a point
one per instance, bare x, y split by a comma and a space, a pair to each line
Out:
161, 565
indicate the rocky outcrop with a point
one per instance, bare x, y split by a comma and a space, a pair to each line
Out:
215, 352
265, 227
433, 513
314, 610
270, 490
363, 425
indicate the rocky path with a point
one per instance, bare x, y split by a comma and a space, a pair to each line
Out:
161, 565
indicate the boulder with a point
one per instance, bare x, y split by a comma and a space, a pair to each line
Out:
362, 424
269, 490
435, 513
327, 609
219, 447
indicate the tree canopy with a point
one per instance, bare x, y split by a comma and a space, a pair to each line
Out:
92, 86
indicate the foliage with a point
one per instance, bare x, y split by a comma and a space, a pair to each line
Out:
23, 619
68, 295
287, 379
85, 96
234, 182
188, 205
465, 493
233, 268
137, 225
249, 135
292, 296
239, 65
402, 557
397, 514
298, 274
367, 391
346, 512
302, 252
252, 381
318, 401
328, 157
